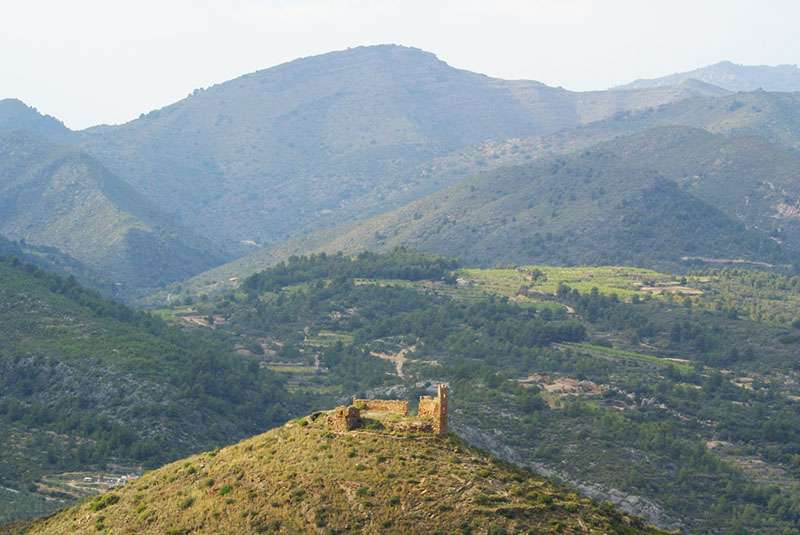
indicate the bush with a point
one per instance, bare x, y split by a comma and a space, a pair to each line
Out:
103, 501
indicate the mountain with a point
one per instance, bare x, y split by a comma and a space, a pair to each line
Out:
89, 384
773, 116
649, 198
55, 195
15, 115
730, 76
698, 191
327, 139
310, 478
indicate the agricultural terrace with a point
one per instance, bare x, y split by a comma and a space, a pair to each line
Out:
538, 279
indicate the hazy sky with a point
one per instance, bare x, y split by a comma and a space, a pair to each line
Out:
106, 61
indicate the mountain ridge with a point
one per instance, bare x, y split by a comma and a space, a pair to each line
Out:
730, 76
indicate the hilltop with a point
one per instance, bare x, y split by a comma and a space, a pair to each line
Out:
731, 76
15, 116
309, 477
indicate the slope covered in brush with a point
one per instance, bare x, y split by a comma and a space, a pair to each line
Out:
305, 477
674, 397
87, 382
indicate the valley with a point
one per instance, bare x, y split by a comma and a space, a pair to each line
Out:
591, 365
196, 305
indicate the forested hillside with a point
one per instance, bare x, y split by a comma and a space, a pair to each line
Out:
52, 260
88, 383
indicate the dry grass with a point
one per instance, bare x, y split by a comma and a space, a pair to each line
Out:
304, 478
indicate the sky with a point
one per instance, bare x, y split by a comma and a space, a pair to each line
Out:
91, 62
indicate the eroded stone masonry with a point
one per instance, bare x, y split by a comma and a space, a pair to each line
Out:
393, 414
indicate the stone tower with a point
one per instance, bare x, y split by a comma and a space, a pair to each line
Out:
435, 409
441, 394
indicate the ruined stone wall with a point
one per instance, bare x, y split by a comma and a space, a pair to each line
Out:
427, 407
435, 409
344, 418
394, 406
440, 421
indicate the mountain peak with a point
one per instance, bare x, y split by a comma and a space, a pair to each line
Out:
15, 115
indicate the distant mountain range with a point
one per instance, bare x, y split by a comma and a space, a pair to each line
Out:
730, 76
283, 156
331, 138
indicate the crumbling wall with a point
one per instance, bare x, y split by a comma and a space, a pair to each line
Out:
394, 406
435, 409
344, 418
427, 407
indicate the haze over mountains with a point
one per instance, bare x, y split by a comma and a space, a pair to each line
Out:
730, 76
322, 142
59, 196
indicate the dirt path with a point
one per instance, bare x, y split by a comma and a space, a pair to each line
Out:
398, 358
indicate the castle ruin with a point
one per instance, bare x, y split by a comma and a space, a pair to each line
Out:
393, 413
435, 409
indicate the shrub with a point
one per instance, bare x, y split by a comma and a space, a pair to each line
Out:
103, 501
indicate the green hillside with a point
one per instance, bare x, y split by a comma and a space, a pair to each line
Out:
309, 478
53, 195
92, 386
650, 199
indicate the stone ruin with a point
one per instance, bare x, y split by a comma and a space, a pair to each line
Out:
435, 409
431, 415
394, 406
